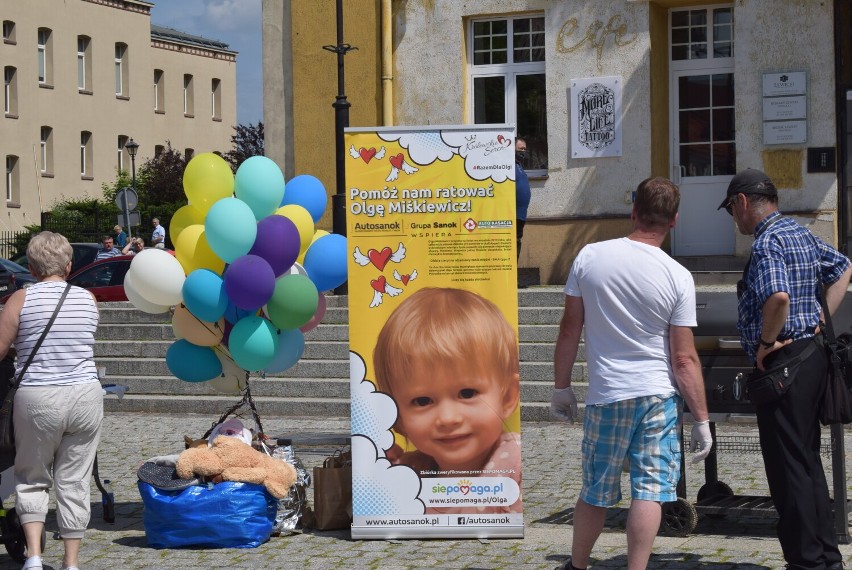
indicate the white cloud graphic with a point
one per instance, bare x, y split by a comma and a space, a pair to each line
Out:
379, 488
373, 413
486, 154
424, 147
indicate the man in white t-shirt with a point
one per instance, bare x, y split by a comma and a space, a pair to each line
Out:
158, 236
637, 305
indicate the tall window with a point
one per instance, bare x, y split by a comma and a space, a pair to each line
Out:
84, 63
158, 150
507, 76
216, 99
159, 91
188, 109
13, 182
46, 150
45, 56
122, 71
10, 91
702, 33
9, 32
123, 155
86, 154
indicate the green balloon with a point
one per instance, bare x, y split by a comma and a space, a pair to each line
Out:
293, 302
253, 343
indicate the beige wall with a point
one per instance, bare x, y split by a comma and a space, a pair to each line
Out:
68, 111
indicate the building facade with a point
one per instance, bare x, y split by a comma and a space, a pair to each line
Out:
81, 78
605, 93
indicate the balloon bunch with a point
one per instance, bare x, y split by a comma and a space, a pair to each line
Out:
248, 274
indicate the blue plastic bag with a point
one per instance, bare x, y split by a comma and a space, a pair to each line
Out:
226, 515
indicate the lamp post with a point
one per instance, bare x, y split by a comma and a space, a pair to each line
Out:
131, 146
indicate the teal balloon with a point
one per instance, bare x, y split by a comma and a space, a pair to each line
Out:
306, 191
192, 363
253, 343
260, 184
204, 295
293, 302
326, 263
291, 346
230, 228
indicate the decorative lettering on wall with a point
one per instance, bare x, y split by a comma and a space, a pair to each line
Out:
595, 37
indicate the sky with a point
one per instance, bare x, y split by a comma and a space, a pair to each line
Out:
235, 22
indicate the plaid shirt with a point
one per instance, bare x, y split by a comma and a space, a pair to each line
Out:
788, 258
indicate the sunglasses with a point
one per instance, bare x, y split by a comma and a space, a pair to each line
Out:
729, 205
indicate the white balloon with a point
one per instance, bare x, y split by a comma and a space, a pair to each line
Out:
138, 301
158, 276
297, 269
232, 380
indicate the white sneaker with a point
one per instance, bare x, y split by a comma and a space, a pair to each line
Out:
32, 563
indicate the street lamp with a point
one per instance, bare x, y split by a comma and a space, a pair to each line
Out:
131, 146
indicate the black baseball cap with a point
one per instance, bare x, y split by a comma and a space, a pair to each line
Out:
750, 181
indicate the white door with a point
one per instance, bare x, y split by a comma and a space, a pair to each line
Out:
703, 149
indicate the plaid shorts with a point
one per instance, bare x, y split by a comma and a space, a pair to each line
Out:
645, 432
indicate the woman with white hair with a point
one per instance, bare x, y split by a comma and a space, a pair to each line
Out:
58, 409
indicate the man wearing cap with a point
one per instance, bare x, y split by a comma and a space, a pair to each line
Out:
779, 308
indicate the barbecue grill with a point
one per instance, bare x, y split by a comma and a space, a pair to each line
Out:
725, 366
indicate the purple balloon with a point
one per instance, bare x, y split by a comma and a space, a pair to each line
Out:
250, 282
277, 242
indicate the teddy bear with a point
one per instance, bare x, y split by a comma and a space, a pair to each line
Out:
233, 460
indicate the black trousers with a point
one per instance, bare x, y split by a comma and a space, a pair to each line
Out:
790, 441
519, 231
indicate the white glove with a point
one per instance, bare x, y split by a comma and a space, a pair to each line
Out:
563, 404
702, 441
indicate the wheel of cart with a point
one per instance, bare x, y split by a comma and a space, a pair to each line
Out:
679, 518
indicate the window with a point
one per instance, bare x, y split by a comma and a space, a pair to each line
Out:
702, 33
10, 91
9, 31
158, 150
123, 155
45, 56
188, 153
46, 151
187, 96
159, 91
122, 72
216, 96
86, 154
507, 76
84, 63
13, 182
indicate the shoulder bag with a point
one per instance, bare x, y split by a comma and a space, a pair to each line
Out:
836, 405
7, 427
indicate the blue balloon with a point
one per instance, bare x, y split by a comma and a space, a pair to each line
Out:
260, 184
308, 192
204, 295
192, 363
253, 343
233, 313
230, 228
291, 345
325, 262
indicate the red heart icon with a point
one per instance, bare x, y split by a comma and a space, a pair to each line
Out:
367, 154
380, 258
500, 139
379, 284
397, 160
405, 279
464, 489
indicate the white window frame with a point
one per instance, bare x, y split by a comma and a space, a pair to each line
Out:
159, 91
122, 152
10, 178
9, 31
86, 154
44, 134
8, 89
188, 103
81, 64
43, 38
510, 71
711, 61
216, 98
119, 69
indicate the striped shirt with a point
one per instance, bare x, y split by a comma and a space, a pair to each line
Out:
788, 258
66, 356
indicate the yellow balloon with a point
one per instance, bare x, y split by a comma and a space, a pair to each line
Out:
207, 179
198, 332
303, 220
317, 234
183, 217
193, 252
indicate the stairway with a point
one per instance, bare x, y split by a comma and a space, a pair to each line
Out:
132, 346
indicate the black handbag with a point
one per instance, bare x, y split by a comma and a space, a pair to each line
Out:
7, 426
770, 385
836, 405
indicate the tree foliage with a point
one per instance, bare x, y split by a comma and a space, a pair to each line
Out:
160, 179
247, 141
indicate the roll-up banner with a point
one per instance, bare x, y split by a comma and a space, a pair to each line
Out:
433, 329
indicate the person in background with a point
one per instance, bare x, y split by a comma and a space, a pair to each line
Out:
779, 315
637, 305
135, 246
107, 249
158, 237
58, 409
522, 190
120, 238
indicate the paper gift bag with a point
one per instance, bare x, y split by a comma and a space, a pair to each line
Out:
333, 492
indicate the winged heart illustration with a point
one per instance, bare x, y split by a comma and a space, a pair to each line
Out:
381, 287
405, 278
379, 258
398, 163
367, 154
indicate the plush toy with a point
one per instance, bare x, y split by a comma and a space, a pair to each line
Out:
233, 460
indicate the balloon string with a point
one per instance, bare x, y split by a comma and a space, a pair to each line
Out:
246, 400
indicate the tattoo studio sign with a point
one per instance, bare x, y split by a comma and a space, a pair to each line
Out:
595, 117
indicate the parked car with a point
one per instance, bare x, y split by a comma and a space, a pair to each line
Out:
14, 277
104, 278
83, 255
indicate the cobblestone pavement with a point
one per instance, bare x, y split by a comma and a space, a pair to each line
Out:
551, 483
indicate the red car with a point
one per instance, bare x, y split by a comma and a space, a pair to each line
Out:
104, 278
